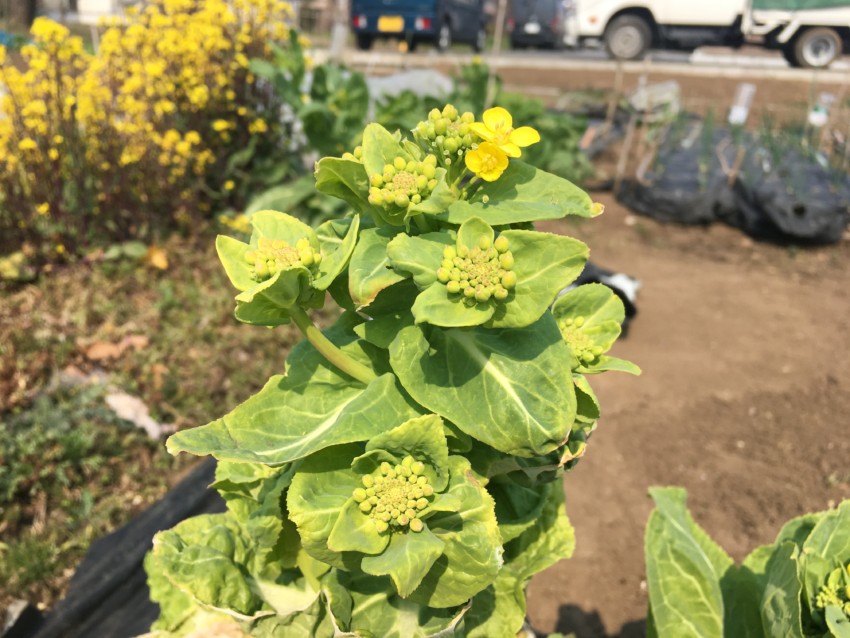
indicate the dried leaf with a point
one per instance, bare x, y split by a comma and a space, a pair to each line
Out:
156, 257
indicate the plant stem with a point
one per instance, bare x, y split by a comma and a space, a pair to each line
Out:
422, 223
329, 351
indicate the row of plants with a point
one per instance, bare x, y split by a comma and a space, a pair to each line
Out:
224, 121
148, 134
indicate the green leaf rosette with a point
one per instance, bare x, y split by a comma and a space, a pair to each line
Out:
401, 507
475, 278
590, 318
284, 266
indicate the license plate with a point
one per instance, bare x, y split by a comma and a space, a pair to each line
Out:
390, 24
532, 28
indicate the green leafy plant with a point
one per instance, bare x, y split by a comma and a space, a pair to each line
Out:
403, 476
798, 586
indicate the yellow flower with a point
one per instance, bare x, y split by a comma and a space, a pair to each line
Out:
487, 161
497, 128
258, 126
220, 125
27, 144
43, 209
229, 185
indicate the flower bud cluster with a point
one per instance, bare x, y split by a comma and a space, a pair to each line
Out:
479, 274
355, 156
393, 496
403, 183
447, 132
835, 594
274, 255
582, 345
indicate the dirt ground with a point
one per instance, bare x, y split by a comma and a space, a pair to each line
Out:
744, 400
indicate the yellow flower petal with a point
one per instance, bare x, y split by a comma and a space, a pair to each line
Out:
482, 131
497, 118
473, 161
511, 149
525, 136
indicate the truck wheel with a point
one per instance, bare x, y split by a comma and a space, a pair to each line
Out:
628, 37
444, 36
817, 48
364, 42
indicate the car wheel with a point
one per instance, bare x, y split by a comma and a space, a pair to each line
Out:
364, 42
628, 37
817, 48
444, 36
480, 40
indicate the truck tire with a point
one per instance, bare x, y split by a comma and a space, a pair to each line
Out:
364, 41
628, 37
817, 48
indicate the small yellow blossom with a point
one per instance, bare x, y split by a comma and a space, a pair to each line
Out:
229, 185
487, 161
53, 154
43, 209
60, 248
497, 129
220, 125
258, 126
27, 144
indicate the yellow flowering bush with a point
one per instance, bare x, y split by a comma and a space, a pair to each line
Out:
141, 136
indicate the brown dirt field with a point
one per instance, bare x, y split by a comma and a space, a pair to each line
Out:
744, 400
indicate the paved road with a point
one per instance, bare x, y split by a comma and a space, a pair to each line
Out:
704, 62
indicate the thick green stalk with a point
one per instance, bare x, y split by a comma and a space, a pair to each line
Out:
329, 351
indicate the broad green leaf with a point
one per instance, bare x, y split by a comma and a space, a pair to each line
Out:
600, 313
587, 403
511, 389
345, 180
321, 488
368, 606
517, 507
473, 548
269, 303
380, 147
544, 264
742, 590
272, 224
369, 271
231, 252
313, 621
499, 611
683, 568
798, 529
312, 407
436, 306
472, 231
550, 540
216, 542
355, 532
406, 560
176, 608
292, 417
388, 314
523, 194
780, 604
837, 622
419, 256
611, 364
336, 251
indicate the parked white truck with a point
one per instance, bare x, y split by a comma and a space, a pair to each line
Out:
809, 33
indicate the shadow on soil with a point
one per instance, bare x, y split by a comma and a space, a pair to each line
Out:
588, 624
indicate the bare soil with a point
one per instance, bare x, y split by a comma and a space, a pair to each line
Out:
744, 400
